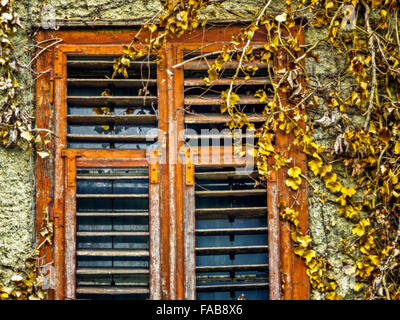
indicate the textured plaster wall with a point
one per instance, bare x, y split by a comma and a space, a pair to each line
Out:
327, 227
16, 180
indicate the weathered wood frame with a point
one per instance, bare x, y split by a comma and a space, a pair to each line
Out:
175, 278
74, 159
287, 273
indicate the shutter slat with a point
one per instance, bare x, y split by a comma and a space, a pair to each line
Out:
219, 119
232, 268
95, 64
118, 101
109, 177
110, 271
225, 82
231, 287
110, 138
112, 214
231, 250
217, 101
224, 175
203, 65
114, 196
231, 193
220, 136
113, 253
230, 231
112, 234
104, 83
112, 290
238, 213
112, 119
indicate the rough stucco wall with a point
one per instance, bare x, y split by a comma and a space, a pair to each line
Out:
115, 10
16, 180
16, 224
327, 227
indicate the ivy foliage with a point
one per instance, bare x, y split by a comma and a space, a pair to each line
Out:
362, 34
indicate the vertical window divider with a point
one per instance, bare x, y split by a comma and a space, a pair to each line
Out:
70, 224
155, 225
189, 226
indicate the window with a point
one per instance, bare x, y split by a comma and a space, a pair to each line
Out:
147, 196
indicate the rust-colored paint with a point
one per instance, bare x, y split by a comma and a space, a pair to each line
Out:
163, 125
189, 169
153, 173
59, 145
301, 284
70, 227
189, 258
44, 167
172, 199
274, 241
172, 167
295, 283
154, 229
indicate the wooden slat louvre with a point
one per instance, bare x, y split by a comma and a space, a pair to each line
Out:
218, 119
111, 271
95, 64
231, 287
230, 231
114, 196
112, 214
203, 65
224, 175
232, 268
104, 83
117, 101
231, 193
231, 250
112, 119
238, 213
224, 82
112, 234
109, 177
113, 253
110, 138
112, 290
217, 101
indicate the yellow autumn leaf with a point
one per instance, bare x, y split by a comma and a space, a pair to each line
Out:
334, 186
302, 240
375, 260
309, 255
294, 172
397, 147
357, 287
360, 228
315, 166
348, 191
326, 169
293, 183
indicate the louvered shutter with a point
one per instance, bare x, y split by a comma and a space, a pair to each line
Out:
231, 233
125, 119
112, 234
202, 103
111, 214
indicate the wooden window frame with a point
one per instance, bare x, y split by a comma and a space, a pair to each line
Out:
173, 277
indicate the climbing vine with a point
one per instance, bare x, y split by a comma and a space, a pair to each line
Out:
366, 187
359, 171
